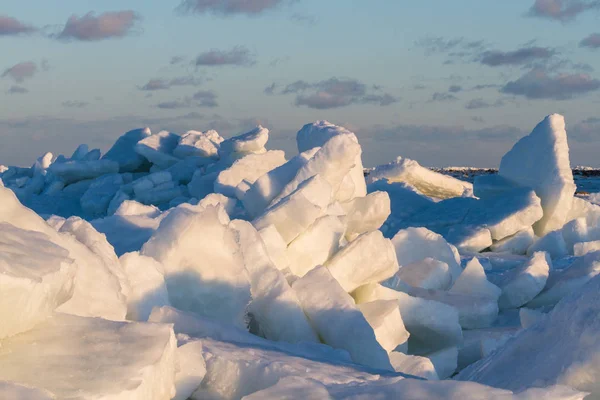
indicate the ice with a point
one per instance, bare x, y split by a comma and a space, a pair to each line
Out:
575, 231
473, 281
480, 343
316, 135
97, 198
515, 244
128, 233
367, 213
276, 247
331, 311
199, 144
427, 274
74, 171
132, 207
413, 365
469, 238
191, 369
247, 143
322, 240
202, 184
148, 289
431, 324
332, 163
295, 213
275, 306
426, 181
553, 243
247, 169
416, 244
13, 391
529, 317
444, 361
490, 186
581, 249
370, 258
565, 346
520, 285
385, 319
36, 276
291, 386
158, 148
91, 358
541, 161
123, 151
562, 282
204, 269
268, 186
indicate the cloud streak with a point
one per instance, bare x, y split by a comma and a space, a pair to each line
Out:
538, 84
12, 27
518, 57
21, 71
561, 10
92, 27
228, 7
238, 56
592, 41
165, 84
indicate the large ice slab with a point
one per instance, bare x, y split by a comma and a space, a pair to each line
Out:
204, 269
428, 273
158, 148
331, 311
123, 151
91, 358
75, 170
565, 346
367, 213
473, 281
541, 161
428, 182
198, 144
36, 276
247, 143
385, 319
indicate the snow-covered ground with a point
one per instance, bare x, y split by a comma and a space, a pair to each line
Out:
196, 267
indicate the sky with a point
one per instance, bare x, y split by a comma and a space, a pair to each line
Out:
443, 82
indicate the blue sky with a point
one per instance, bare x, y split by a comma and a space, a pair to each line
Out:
446, 83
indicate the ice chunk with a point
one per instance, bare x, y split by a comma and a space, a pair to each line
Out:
132, 207
247, 143
581, 249
275, 246
274, 304
332, 163
158, 148
367, 213
96, 199
295, 213
74, 171
469, 238
247, 169
426, 181
198, 144
515, 244
191, 369
147, 282
316, 245
202, 184
91, 358
370, 258
444, 361
385, 319
127, 233
562, 282
416, 244
473, 281
413, 365
520, 285
36, 276
541, 161
292, 387
479, 343
431, 324
553, 243
529, 317
575, 231
123, 151
204, 269
427, 274
570, 331
490, 186
331, 311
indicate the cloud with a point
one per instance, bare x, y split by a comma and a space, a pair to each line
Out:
20, 72
439, 97
479, 103
456, 46
334, 93
177, 60
206, 98
591, 120
228, 7
74, 104
304, 18
270, 90
175, 104
517, 57
164, 84
538, 84
115, 24
485, 86
239, 56
17, 90
455, 89
592, 41
12, 27
561, 10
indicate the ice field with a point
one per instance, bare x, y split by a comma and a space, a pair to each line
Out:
196, 267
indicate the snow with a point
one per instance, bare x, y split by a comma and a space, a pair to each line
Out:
204, 268
541, 161
13, 391
331, 311
91, 358
565, 346
292, 386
